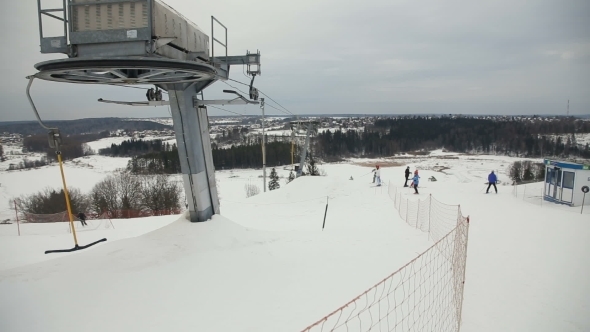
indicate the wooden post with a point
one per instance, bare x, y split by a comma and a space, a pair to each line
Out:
325, 213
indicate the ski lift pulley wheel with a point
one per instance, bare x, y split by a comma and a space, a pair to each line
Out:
123, 71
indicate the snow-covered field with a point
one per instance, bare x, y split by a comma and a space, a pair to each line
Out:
265, 264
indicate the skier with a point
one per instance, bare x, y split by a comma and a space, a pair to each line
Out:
415, 182
492, 179
407, 176
377, 175
82, 218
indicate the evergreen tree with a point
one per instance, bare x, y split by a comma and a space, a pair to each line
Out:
274, 180
291, 177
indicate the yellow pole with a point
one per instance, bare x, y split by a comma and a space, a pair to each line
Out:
63, 179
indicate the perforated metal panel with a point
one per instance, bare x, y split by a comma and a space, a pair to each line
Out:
113, 21
95, 15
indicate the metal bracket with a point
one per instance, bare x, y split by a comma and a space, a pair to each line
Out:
253, 90
31, 78
136, 103
240, 100
54, 136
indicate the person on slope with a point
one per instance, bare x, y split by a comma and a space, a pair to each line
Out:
82, 218
377, 175
492, 179
407, 176
415, 181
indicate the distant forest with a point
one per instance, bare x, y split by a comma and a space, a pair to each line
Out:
385, 138
154, 157
135, 147
80, 126
71, 147
516, 138
535, 137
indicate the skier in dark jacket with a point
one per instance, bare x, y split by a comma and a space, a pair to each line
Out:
82, 218
407, 176
492, 179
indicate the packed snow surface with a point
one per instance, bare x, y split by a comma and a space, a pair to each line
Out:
266, 264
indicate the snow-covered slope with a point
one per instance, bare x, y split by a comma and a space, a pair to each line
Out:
266, 264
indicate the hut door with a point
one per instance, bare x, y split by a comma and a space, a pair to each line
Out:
556, 182
549, 182
567, 186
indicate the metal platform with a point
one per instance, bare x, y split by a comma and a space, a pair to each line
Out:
127, 70
146, 42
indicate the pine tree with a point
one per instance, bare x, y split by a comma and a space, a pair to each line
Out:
274, 180
291, 177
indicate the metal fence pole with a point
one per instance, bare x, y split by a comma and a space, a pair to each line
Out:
429, 213
17, 222
418, 213
407, 208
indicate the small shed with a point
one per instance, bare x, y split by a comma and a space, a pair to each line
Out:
564, 182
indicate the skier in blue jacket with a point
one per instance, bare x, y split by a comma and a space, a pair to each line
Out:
492, 179
415, 182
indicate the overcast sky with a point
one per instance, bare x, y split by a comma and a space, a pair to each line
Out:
378, 57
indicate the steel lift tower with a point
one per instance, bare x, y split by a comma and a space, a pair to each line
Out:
312, 128
146, 42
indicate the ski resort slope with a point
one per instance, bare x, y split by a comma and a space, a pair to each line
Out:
221, 275
266, 264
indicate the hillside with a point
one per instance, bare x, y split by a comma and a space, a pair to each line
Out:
265, 263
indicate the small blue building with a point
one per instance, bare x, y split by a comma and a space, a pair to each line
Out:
564, 182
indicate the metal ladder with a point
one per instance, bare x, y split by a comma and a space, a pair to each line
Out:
58, 44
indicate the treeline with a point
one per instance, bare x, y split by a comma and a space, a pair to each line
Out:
133, 147
72, 146
122, 195
250, 155
526, 171
389, 136
81, 126
26, 163
163, 162
163, 158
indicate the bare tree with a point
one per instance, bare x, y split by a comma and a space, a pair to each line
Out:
105, 196
159, 194
116, 194
251, 190
49, 201
129, 187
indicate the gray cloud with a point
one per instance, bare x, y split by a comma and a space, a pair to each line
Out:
499, 57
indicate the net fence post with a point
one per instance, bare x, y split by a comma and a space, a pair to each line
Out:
407, 208
464, 273
429, 213
17, 221
418, 214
